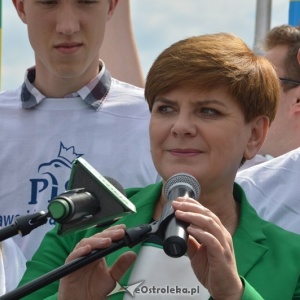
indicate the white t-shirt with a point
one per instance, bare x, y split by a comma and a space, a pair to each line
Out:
38, 146
256, 160
155, 275
273, 189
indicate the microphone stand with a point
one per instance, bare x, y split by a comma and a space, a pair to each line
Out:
133, 236
23, 225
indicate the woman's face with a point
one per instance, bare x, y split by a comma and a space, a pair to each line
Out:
201, 133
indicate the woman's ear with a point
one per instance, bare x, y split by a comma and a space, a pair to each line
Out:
19, 5
259, 130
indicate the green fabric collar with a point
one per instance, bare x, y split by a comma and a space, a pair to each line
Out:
248, 235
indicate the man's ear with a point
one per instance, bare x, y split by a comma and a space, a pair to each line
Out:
298, 92
19, 5
112, 6
295, 107
259, 130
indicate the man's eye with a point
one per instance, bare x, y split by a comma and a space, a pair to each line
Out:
48, 2
88, 1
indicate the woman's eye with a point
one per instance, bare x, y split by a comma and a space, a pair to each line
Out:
209, 112
164, 109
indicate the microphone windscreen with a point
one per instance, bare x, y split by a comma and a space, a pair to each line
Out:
108, 191
116, 184
179, 183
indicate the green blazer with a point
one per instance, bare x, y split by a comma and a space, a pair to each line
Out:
268, 257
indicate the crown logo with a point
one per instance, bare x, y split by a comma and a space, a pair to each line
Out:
68, 154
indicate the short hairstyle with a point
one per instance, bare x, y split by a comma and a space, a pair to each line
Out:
286, 35
217, 60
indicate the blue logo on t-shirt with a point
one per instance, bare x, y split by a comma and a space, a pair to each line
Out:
52, 172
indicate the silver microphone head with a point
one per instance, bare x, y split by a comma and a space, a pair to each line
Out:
175, 234
182, 180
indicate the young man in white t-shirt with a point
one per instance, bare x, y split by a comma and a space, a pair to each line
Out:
69, 106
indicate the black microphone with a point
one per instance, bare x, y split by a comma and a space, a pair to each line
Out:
175, 236
90, 200
78, 203
73, 205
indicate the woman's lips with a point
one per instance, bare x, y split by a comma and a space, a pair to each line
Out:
184, 152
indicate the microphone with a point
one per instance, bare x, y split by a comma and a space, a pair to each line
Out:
73, 205
179, 185
90, 200
77, 203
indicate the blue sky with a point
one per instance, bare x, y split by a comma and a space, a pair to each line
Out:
156, 23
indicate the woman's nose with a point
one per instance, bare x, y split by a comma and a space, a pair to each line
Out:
184, 125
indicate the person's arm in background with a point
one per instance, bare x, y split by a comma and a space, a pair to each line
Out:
12, 266
119, 51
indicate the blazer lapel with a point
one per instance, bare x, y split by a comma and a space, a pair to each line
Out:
248, 236
144, 200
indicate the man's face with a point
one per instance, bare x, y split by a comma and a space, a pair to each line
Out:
276, 142
66, 35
